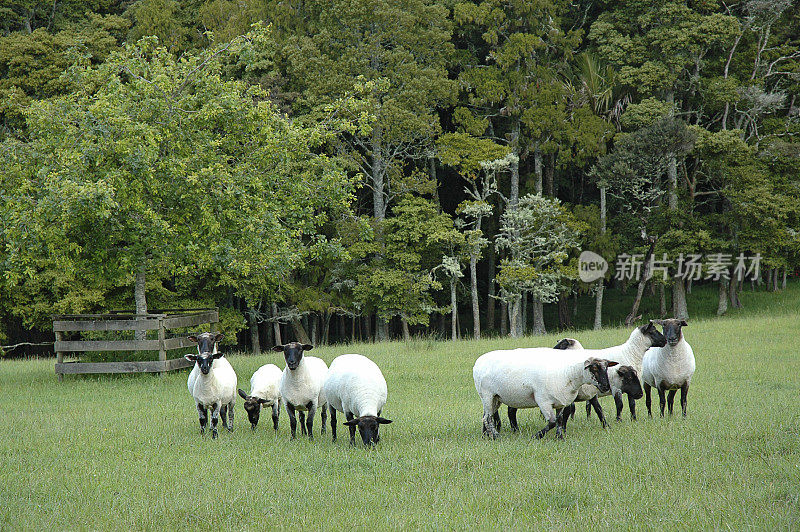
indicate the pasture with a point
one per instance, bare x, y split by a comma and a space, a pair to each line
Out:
123, 452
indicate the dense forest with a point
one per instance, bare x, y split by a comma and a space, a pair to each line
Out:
371, 169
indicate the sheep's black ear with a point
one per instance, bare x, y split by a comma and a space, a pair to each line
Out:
190, 358
278, 348
562, 344
242, 394
217, 355
193, 338
219, 337
612, 363
683, 323
352, 423
307, 347
384, 421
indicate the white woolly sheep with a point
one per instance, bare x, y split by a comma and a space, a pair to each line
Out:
355, 386
265, 391
670, 367
524, 378
212, 383
301, 386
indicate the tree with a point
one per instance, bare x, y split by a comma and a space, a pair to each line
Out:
156, 167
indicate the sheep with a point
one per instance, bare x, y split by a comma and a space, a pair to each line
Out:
355, 386
212, 383
264, 391
669, 367
524, 378
564, 344
301, 386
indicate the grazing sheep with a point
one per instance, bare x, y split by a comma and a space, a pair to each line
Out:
564, 344
264, 391
301, 386
212, 383
524, 378
355, 386
669, 367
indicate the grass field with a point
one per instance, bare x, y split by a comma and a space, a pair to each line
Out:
124, 452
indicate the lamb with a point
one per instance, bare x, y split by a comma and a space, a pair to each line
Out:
264, 391
524, 378
564, 344
301, 386
355, 386
669, 367
212, 383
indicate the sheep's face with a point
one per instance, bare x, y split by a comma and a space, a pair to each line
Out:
650, 331
293, 353
568, 343
672, 330
595, 372
206, 342
252, 405
630, 382
204, 361
368, 428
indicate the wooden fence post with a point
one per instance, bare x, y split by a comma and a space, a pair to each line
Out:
162, 349
59, 355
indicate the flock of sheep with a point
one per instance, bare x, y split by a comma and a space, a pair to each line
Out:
551, 378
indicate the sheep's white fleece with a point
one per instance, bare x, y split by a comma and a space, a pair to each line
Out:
355, 385
671, 365
266, 384
219, 386
524, 378
304, 384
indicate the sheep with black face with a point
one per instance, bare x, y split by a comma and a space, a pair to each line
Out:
355, 386
669, 367
264, 392
212, 383
301, 386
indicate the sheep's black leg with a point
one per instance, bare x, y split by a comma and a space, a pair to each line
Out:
595, 402
552, 421
572, 411
661, 399
632, 406
324, 416
302, 415
496, 419
684, 395
292, 418
276, 414
564, 416
223, 413
647, 399
349, 416
202, 411
588, 409
214, 420
230, 417
671, 400
312, 409
618, 403
333, 422
512, 419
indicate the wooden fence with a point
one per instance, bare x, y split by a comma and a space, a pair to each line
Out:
161, 321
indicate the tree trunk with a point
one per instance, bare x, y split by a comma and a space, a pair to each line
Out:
564, 318
733, 294
490, 301
453, 310
538, 317
672, 169
139, 295
642, 282
537, 168
255, 338
514, 317
476, 310
679, 308
722, 305
300, 332
549, 173
598, 306
523, 314
513, 198
276, 327
783, 282
662, 301
775, 280
406, 332
503, 318
689, 284
368, 327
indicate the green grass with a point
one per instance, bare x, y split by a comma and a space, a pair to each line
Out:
123, 452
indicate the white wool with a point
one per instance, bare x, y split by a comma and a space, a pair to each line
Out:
218, 387
266, 384
303, 385
355, 385
672, 365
